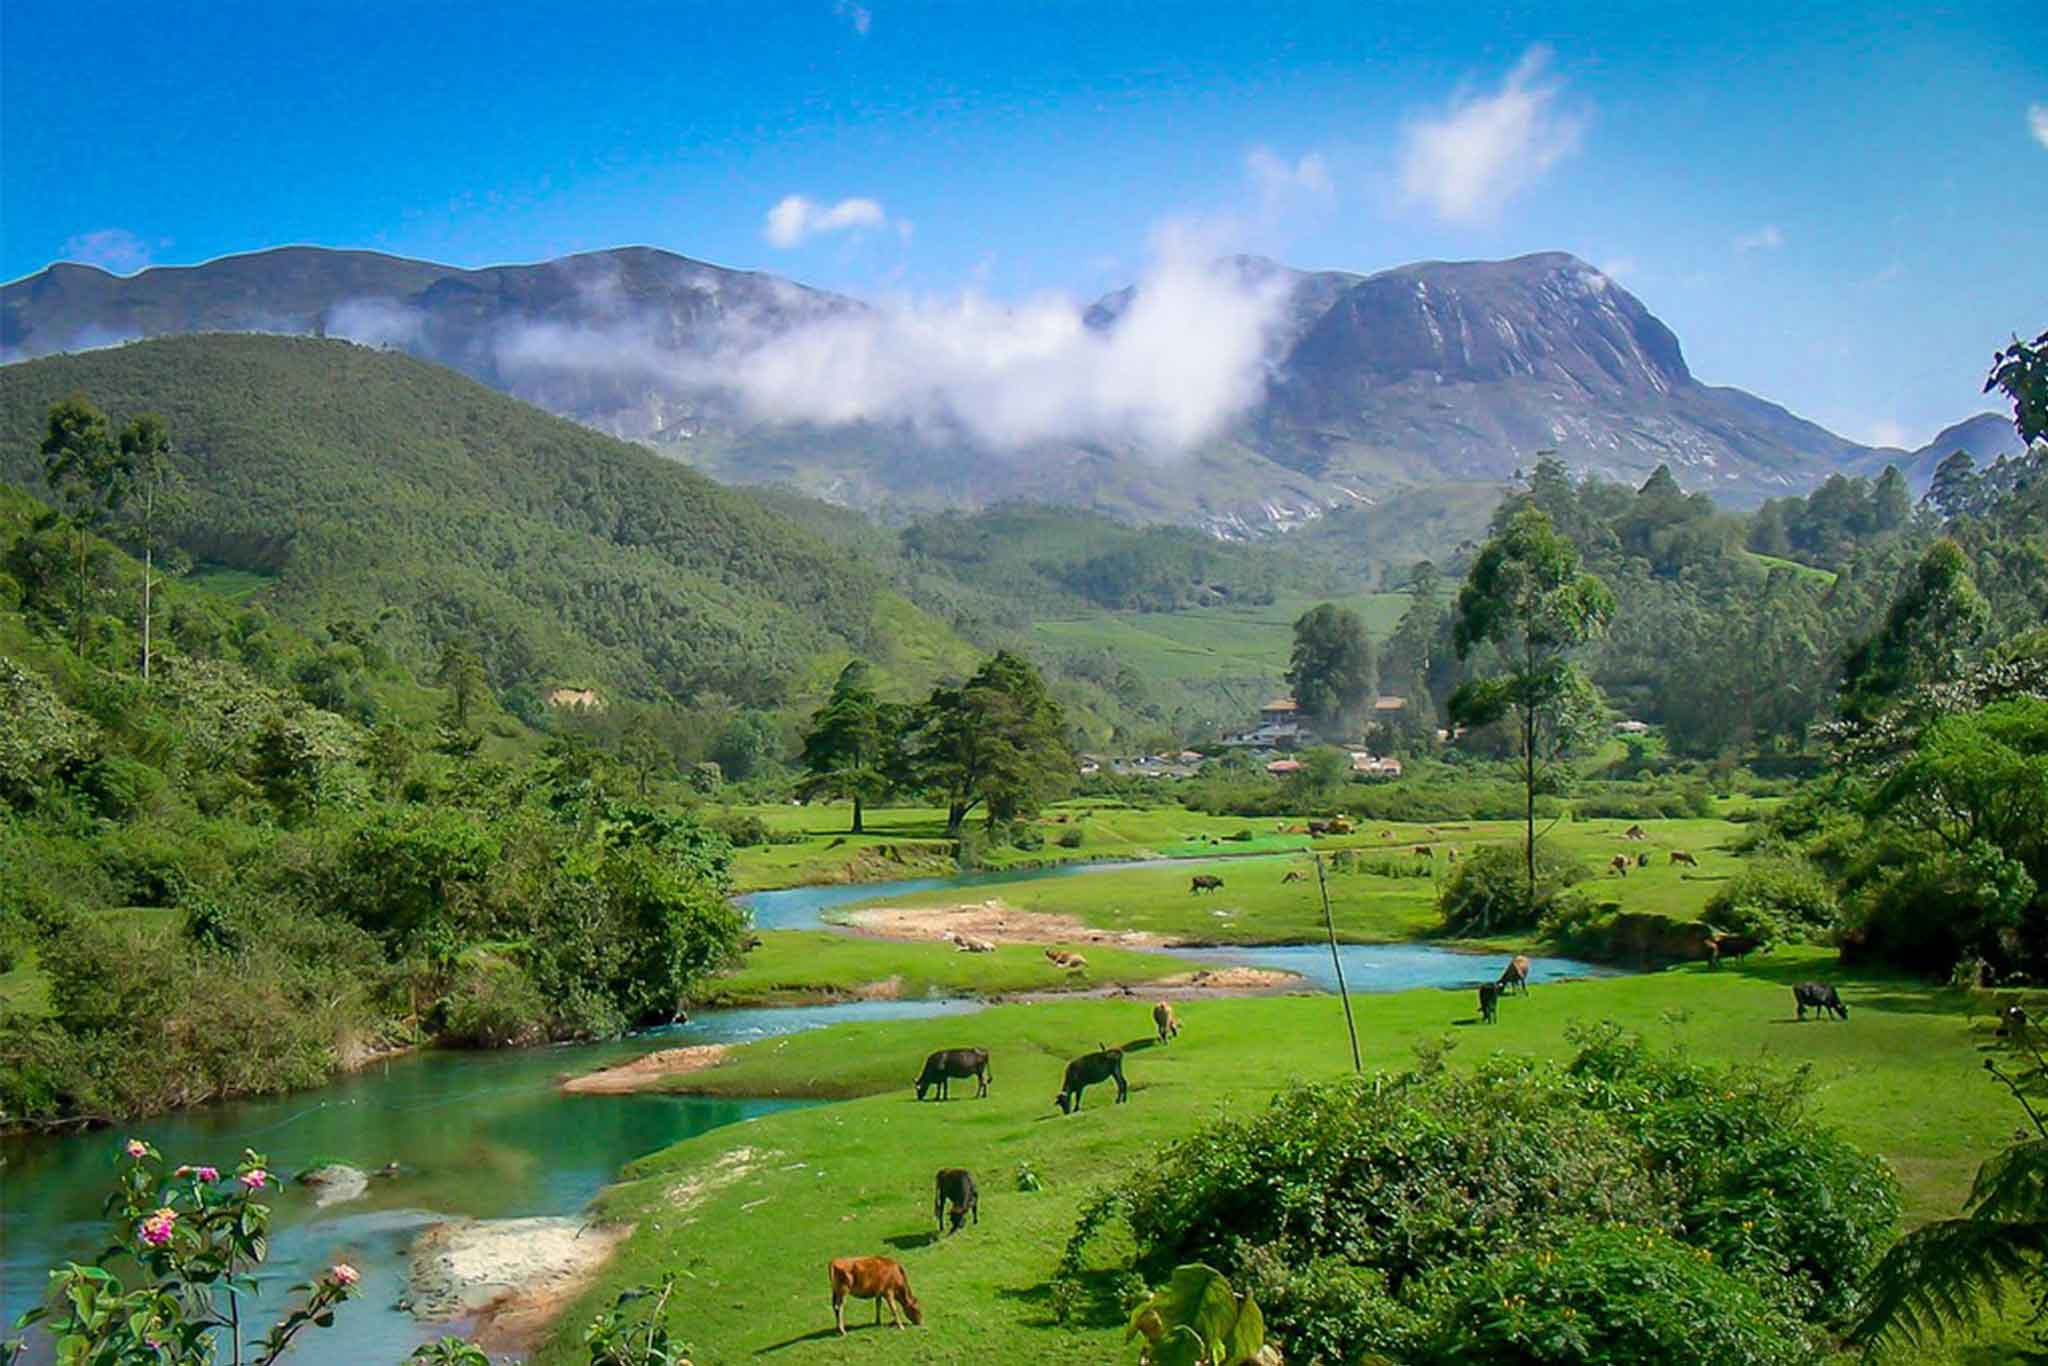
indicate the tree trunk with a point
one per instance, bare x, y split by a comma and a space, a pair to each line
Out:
856, 815
148, 567
956, 816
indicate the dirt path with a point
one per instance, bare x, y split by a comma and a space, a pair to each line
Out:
641, 1074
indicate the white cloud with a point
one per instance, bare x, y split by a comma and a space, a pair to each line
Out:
797, 218
114, 249
1468, 161
1885, 432
1184, 358
2037, 122
1280, 182
1619, 267
1765, 238
856, 16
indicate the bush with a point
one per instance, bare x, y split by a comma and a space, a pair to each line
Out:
1614, 1295
492, 1004
1026, 836
1069, 839
1776, 898
1489, 892
743, 828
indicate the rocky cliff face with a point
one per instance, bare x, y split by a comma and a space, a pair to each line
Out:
1414, 376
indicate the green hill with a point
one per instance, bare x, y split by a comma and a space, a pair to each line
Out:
363, 484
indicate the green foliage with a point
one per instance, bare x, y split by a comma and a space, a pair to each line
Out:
852, 748
634, 1331
1196, 1320
999, 740
1489, 892
1926, 635
1331, 670
1776, 899
2021, 371
42, 741
1597, 1212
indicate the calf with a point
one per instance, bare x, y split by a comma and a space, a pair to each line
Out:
1106, 1064
872, 1278
1681, 856
1064, 958
1205, 882
956, 1189
1732, 946
1489, 1001
1821, 997
1619, 865
1515, 976
1165, 1021
942, 1066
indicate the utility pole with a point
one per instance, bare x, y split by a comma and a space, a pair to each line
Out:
1330, 925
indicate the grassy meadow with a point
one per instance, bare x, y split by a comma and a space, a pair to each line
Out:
750, 1215
1243, 645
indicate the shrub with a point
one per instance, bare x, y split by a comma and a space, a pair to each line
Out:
1070, 839
492, 1004
1776, 898
1489, 892
1613, 1295
743, 828
1026, 836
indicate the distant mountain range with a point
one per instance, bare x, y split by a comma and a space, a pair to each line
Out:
1366, 384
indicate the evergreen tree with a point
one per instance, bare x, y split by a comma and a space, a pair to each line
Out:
852, 741
1332, 670
461, 672
999, 739
1956, 486
83, 467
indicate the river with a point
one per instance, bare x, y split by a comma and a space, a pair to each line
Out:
490, 1135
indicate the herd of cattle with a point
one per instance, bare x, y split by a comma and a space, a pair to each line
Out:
956, 1200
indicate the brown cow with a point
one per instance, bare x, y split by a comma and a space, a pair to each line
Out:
1424, 851
1066, 958
1620, 865
872, 1278
1165, 1021
1205, 882
1680, 856
1634, 832
1515, 976
1294, 875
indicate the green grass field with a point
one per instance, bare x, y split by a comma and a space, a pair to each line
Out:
750, 1215
802, 966
1244, 645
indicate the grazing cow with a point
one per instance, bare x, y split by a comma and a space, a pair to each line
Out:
872, 1278
1681, 856
1489, 1002
956, 1189
1732, 946
1107, 1064
1319, 827
1619, 865
1205, 882
1515, 976
1066, 958
1165, 1021
1634, 832
942, 1066
1821, 997
1294, 875
1643, 859
1424, 851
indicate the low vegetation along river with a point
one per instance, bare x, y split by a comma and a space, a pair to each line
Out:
491, 1135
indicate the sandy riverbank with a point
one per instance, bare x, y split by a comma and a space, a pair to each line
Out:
642, 1073
514, 1276
993, 921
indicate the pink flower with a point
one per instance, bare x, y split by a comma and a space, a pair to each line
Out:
156, 1229
255, 1178
137, 1148
208, 1173
344, 1274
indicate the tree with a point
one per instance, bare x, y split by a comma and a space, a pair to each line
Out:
1955, 486
1332, 668
642, 751
461, 672
853, 737
998, 739
84, 470
1893, 505
146, 461
1526, 597
1932, 625
2021, 371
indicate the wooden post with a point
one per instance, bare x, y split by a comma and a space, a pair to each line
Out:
1330, 925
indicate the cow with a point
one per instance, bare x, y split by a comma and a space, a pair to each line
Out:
1064, 958
1205, 882
1319, 827
1106, 1064
872, 1278
1619, 865
1489, 1002
956, 1189
1821, 997
1294, 875
1681, 856
1721, 946
1634, 832
1424, 851
1515, 976
1165, 1021
962, 944
942, 1066
1451, 855
1643, 859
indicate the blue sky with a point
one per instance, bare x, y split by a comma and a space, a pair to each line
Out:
1843, 208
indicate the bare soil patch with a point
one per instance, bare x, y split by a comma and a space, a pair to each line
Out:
641, 1074
993, 921
514, 1275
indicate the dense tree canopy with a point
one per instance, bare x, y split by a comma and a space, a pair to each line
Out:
1331, 670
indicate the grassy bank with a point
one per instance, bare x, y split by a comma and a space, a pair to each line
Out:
793, 967
752, 1230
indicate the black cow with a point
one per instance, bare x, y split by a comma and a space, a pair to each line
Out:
948, 1063
1084, 1071
956, 1188
1205, 882
1489, 1001
1821, 997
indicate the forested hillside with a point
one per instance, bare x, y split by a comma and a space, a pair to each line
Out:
371, 486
